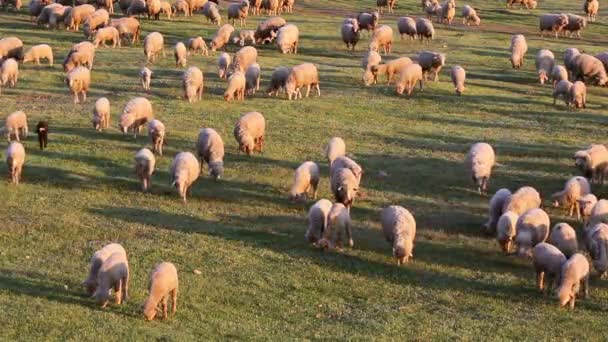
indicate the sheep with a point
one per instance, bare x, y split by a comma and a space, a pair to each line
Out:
399, 227
569, 56
431, 7
306, 179
181, 6
101, 114
344, 185
264, 31
223, 62
469, 15
127, 28
105, 4
212, 13
317, 220
113, 274
124, 5
587, 66
370, 59
144, 167
586, 204
588, 161
197, 44
532, 229
278, 80
530, 4
210, 150
195, 5
38, 52
518, 50
555, 23
272, 7
575, 24
563, 237
575, 189
244, 37
495, 209
596, 240
105, 34
368, 21
236, 87
163, 283
81, 54
9, 72
547, 260
447, 12
239, 11
166, 8
57, 15
425, 29
390, 69
45, 14
180, 54
479, 162
35, 7
78, 81
153, 8
591, 7
137, 112
222, 37
506, 230
407, 26
11, 47
335, 148
77, 15
350, 34
145, 75
243, 58
430, 62
562, 88
458, 76
249, 132
302, 75
256, 6
153, 46
408, 77
157, 131
390, 4
97, 260
192, 84
344, 162
137, 8
184, 171
288, 5
338, 223
577, 96
15, 126
97, 20
15, 158
558, 73
15, 3
603, 57
42, 129
523, 199
382, 38
545, 61
252, 78
573, 275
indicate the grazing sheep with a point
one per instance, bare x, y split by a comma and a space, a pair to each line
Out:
523, 199
575, 25
302, 75
306, 179
382, 38
192, 84
256, 5
222, 37
338, 223
195, 5
585, 205
336, 147
272, 7
249, 132
495, 209
532, 228
45, 14
562, 88
35, 7
575, 189
81, 54
587, 66
105, 34
245, 37
430, 62
212, 13
15, 158
210, 149
425, 29
15, 126
558, 73
101, 114
317, 220
9, 72
236, 87
243, 58
57, 16
563, 237
144, 167
154, 45
344, 162
180, 54
447, 12
163, 283
573, 275
577, 96
77, 16
390, 4
153, 8
554, 23
344, 185
197, 44
407, 26
390, 69
469, 16
506, 230
589, 160
113, 274
431, 8
98, 258
350, 34
479, 162
184, 171
370, 59
399, 227
97, 20
591, 7
252, 78
569, 56
38, 52
223, 62
596, 240
545, 61
408, 77
124, 5
547, 260
137, 112
137, 8
458, 76
78, 81
239, 11
127, 28
146, 78
530, 4
157, 131
278, 80
166, 8
266, 30
368, 21
42, 129
287, 5
518, 50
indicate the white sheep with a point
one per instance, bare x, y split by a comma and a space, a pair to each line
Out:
101, 114
338, 223
79, 81
105, 34
223, 62
458, 76
407, 26
184, 171
278, 80
15, 125
506, 230
197, 44
97, 260
586, 204
370, 59
599, 213
154, 46
306, 179
180, 54
409, 76
163, 283
15, 158
9, 72
252, 78
532, 228
336, 147
137, 112
479, 162
596, 239
589, 160
545, 61
157, 131
547, 260
38, 52
222, 37
235, 88
249, 132
558, 73
317, 220
288, 37
573, 275
239, 11
575, 189
382, 38
469, 15
302, 75
399, 227
192, 84
523, 199
518, 49
212, 13
146, 78
210, 149
113, 274
145, 163
563, 237
495, 209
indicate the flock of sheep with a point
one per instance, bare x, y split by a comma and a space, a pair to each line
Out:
514, 218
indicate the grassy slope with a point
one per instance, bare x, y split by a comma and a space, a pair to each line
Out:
259, 279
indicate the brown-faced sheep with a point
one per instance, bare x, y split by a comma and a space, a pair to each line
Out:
577, 96
370, 59
15, 158
137, 112
306, 180
265, 30
278, 80
518, 50
575, 25
163, 283
81, 54
554, 23
350, 33
399, 227
382, 38
97, 260
563, 237
447, 12
113, 274
38, 52
192, 84
317, 220
144, 167
249, 132
154, 46
42, 129
495, 209
408, 77
547, 260
287, 5
588, 160
591, 7
101, 114
532, 228
222, 37
303, 75
184, 171
210, 149
78, 81
239, 11
573, 275
575, 189
458, 76
368, 21
479, 163
15, 126
545, 60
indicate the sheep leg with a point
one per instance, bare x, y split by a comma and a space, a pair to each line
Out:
349, 235
164, 305
577, 208
572, 302
118, 292
173, 301
540, 277
318, 90
307, 90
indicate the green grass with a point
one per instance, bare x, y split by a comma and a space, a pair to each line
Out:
259, 278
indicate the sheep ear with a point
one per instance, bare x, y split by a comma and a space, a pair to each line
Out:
340, 188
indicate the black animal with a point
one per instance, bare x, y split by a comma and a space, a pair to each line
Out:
42, 129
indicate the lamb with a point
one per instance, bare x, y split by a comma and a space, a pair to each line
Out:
197, 44
98, 258
569, 56
407, 26
42, 129
430, 62
180, 54
562, 88
243, 58
495, 209
382, 38
192, 84
107, 34
38, 52
390, 69
558, 73
184, 171
586, 204
302, 75
9, 72
469, 15
101, 114
335, 148
15, 158
458, 76
575, 24
545, 61
11, 47
532, 229
146, 78
589, 160
447, 12
157, 131
577, 96
317, 220
525, 198
506, 230
153, 8
81, 54
555, 23
244, 37
223, 62
596, 239
344, 185
306, 179
15, 126
344, 162
547, 260
338, 223
153, 46
210, 149
587, 66
264, 31
350, 34
166, 8
573, 275
252, 78
163, 283
370, 59
144, 167
249, 132
425, 29
563, 237
239, 11
591, 7
212, 13
368, 21
183, 7
137, 112
278, 80
97, 20
222, 37
79, 81
127, 28
408, 77
113, 274
77, 16
236, 87
575, 189
399, 227
518, 49
479, 162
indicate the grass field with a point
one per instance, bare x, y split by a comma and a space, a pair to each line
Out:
260, 280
